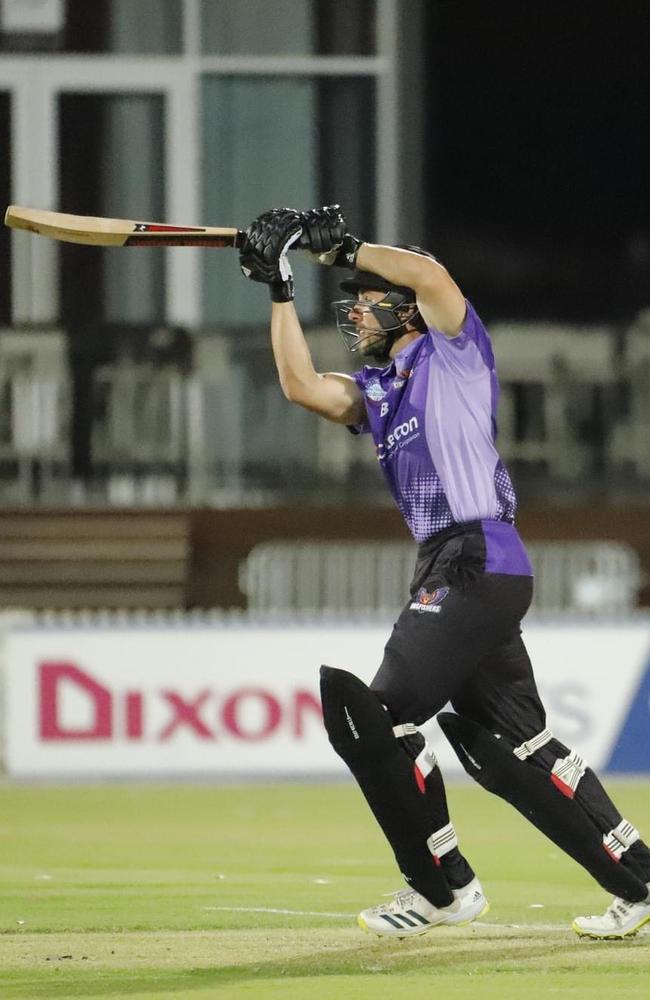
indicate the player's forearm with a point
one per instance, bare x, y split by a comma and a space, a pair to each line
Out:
298, 377
439, 299
401, 267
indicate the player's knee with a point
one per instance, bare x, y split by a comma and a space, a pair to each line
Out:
355, 720
359, 725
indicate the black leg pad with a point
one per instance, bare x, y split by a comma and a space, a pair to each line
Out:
491, 763
361, 732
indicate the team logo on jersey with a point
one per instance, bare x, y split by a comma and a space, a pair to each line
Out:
384, 409
429, 600
374, 391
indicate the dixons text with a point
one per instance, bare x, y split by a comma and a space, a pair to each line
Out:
157, 714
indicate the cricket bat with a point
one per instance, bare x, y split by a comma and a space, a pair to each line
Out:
98, 232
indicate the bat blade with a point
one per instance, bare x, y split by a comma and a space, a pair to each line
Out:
91, 230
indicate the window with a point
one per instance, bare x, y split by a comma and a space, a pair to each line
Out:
296, 27
281, 141
116, 171
151, 27
5, 198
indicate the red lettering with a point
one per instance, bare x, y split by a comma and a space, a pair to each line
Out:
133, 704
51, 675
232, 709
248, 714
186, 713
304, 703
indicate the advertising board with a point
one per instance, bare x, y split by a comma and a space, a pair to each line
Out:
222, 700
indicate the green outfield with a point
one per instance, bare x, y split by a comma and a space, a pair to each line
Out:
252, 891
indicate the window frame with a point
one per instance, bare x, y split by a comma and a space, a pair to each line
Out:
34, 93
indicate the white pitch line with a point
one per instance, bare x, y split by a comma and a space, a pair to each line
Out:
523, 927
351, 916
291, 913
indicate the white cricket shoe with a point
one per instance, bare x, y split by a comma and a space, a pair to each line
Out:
621, 919
409, 913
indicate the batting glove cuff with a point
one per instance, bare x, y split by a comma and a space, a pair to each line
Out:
281, 291
347, 253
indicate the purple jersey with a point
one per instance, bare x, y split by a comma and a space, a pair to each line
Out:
431, 413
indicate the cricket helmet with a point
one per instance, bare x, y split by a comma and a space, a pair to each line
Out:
393, 312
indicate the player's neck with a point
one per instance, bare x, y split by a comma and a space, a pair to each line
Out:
402, 342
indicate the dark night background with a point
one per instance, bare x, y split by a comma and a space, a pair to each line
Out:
540, 150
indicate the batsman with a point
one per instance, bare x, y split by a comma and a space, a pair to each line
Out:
427, 395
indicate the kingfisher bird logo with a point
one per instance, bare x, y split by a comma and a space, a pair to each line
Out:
429, 600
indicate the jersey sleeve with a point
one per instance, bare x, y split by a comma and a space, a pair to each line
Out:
361, 378
468, 354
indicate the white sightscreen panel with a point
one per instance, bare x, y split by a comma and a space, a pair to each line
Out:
259, 152
257, 27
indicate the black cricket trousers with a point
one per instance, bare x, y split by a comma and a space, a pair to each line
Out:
458, 640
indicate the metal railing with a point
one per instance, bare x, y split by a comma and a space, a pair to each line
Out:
372, 578
206, 431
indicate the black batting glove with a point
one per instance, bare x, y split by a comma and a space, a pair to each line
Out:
323, 229
264, 254
325, 235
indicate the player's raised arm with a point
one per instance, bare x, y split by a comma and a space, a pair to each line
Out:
439, 299
264, 258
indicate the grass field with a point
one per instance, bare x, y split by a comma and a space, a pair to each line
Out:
249, 891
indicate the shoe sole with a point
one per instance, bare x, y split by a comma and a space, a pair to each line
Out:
419, 931
612, 936
464, 923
